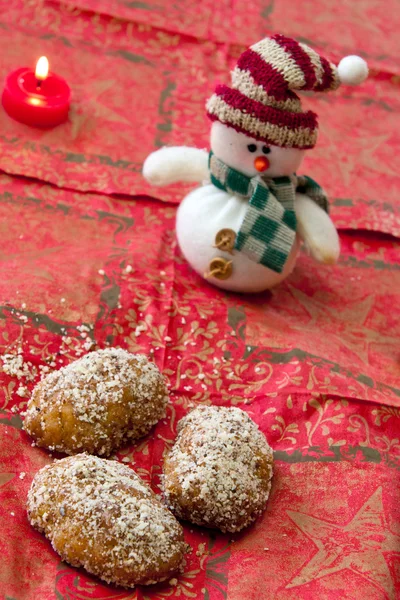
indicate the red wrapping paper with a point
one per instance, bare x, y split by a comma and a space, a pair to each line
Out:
314, 362
355, 28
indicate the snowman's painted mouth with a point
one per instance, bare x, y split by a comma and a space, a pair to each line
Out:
261, 163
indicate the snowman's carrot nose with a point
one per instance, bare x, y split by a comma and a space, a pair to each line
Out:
261, 163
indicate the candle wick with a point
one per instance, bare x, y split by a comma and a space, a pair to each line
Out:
38, 84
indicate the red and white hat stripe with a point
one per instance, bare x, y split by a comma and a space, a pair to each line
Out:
264, 84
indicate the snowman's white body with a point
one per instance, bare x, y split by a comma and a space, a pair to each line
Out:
201, 215
207, 210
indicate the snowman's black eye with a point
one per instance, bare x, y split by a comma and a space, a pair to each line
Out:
251, 147
266, 150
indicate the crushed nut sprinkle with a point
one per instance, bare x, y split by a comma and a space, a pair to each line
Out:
126, 535
15, 366
219, 471
97, 402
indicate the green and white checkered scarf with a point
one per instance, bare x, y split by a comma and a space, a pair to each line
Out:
268, 229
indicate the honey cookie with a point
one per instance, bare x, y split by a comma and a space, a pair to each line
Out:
218, 473
97, 403
99, 515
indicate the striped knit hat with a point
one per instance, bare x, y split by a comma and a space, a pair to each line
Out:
262, 103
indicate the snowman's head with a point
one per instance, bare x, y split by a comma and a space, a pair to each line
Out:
250, 156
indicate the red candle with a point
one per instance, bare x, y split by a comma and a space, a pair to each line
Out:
37, 98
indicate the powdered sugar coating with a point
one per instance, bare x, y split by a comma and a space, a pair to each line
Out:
218, 473
96, 403
98, 514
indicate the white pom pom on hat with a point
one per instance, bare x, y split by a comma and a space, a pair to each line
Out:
352, 70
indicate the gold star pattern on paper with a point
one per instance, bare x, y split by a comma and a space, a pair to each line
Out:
93, 106
346, 325
359, 546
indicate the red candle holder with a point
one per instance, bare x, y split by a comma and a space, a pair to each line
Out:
36, 100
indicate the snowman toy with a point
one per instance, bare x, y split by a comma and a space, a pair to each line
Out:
242, 228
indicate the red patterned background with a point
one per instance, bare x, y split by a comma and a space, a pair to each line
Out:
315, 362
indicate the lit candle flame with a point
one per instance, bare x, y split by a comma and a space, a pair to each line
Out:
35, 101
42, 68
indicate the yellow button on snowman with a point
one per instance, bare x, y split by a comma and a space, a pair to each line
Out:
243, 227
